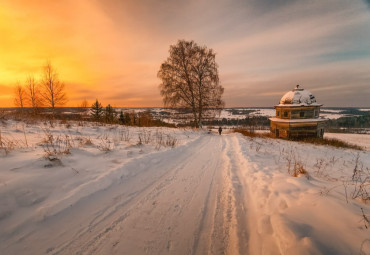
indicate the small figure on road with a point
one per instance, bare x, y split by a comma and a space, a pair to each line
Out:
220, 130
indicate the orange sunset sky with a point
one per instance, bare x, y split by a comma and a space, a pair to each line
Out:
112, 50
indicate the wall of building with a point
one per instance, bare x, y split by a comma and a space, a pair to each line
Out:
297, 130
310, 112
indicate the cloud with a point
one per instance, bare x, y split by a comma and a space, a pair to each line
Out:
112, 50
280, 53
333, 85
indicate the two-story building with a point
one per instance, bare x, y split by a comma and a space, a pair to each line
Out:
297, 116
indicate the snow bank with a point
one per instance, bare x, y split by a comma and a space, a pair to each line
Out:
34, 189
303, 215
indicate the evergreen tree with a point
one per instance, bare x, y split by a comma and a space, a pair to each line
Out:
121, 118
127, 118
110, 114
96, 111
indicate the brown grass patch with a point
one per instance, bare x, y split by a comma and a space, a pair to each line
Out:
331, 142
317, 141
249, 133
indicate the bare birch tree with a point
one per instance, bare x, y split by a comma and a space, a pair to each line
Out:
52, 88
84, 107
190, 79
19, 96
33, 93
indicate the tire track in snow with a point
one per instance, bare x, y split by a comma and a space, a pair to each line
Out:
186, 200
234, 207
104, 206
241, 194
228, 230
261, 239
171, 234
183, 173
209, 239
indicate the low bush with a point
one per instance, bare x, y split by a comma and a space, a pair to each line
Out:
8, 144
295, 165
144, 137
105, 145
57, 145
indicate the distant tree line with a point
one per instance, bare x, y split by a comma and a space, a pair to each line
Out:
349, 122
109, 115
254, 121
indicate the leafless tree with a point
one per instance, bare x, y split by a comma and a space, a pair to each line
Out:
190, 79
84, 104
33, 93
52, 88
20, 96
85, 110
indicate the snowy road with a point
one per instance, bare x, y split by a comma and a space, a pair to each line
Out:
180, 201
174, 205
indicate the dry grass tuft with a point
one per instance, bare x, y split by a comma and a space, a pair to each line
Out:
8, 144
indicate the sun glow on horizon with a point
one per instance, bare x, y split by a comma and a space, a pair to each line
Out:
81, 44
112, 50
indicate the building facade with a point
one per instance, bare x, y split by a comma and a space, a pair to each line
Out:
297, 116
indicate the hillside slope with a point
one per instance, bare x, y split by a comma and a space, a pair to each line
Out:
210, 194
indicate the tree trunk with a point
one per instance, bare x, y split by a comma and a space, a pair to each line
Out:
200, 119
195, 119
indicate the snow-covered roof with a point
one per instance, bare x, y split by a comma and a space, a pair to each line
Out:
298, 97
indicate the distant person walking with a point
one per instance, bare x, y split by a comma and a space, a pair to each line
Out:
220, 130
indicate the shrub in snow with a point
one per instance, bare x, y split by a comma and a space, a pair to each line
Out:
105, 145
165, 140
294, 163
57, 145
124, 135
365, 219
171, 141
6, 145
84, 141
361, 180
9, 144
144, 137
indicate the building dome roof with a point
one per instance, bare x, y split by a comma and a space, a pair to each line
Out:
298, 96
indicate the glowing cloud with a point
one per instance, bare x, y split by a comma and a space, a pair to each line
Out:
111, 50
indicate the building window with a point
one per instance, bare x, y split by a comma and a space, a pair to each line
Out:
285, 114
278, 113
316, 113
301, 114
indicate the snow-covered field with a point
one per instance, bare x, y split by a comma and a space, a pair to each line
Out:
178, 192
173, 116
227, 113
362, 140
